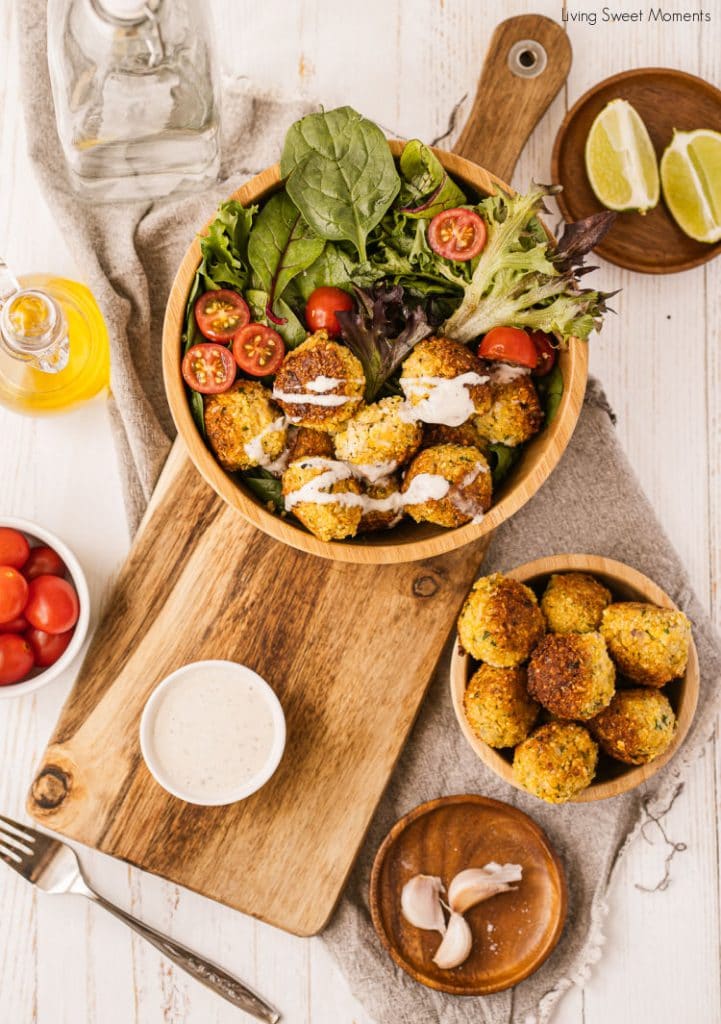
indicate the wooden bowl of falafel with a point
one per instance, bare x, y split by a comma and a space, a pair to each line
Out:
575, 677
307, 519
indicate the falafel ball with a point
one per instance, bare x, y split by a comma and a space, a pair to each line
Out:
571, 674
573, 602
497, 706
636, 727
649, 644
303, 441
433, 361
381, 517
312, 505
469, 487
244, 427
379, 438
500, 622
320, 384
514, 414
467, 434
556, 762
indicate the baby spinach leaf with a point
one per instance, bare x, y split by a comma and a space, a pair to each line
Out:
426, 188
280, 246
336, 267
550, 391
340, 174
265, 486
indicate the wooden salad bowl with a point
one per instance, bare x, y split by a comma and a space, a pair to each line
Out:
409, 541
626, 584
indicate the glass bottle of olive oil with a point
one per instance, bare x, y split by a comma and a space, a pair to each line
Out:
54, 350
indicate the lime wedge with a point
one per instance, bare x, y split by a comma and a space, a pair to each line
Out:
620, 159
691, 178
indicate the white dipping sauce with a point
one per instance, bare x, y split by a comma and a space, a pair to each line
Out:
211, 732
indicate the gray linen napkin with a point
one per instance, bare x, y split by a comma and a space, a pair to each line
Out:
592, 503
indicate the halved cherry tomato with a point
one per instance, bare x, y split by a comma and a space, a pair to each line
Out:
13, 593
16, 658
47, 647
457, 234
17, 625
14, 548
43, 561
52, 604
509, 344
322, 306
220, 313
208, 368
258, 349
547, 353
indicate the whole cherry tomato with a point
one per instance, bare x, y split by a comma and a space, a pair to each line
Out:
16, 658
13, 593
43, 561
48, 647
14, 548
321, 309
52, 604
510, 345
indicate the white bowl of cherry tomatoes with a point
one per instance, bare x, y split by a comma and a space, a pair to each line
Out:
44, 607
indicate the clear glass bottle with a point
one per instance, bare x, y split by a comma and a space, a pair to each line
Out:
54, 348
135, 96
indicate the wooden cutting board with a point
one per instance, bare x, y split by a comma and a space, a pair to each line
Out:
349, 650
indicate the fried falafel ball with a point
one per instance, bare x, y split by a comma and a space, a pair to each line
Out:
514, 414
467, 434
387, 493
636, 727
497, 706
439, 359
244, 427
310, 443
379, 438
500, 622
325, 518
571, 674
556, 762
573, 602
328, 376
649, 644
469, 489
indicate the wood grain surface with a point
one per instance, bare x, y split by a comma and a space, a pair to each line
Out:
667, 100
513, 932
409, 540
333, 640
64, 963
626, 584
495, 130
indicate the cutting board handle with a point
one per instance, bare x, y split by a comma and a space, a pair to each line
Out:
527, 62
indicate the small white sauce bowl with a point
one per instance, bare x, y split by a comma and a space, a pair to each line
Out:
251, 785
40, 677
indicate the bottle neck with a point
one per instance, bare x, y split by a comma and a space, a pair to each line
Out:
33, 329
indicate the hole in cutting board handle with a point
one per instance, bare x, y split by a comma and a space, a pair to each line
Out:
527, 58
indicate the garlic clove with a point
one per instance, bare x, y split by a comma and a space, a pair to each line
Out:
421, 903
474, 885
456, 945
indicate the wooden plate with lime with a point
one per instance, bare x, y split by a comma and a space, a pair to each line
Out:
667, 101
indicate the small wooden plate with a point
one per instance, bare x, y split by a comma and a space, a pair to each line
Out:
626, 584
514, 932
665, 99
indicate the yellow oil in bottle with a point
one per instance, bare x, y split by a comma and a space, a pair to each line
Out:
35, 386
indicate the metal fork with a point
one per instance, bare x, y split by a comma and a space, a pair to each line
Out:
55, 868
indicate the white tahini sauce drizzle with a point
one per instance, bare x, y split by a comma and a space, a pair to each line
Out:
504, 373
254, 448
466, 504
424, 487
445, 400
375, 471
317, 393
213, 732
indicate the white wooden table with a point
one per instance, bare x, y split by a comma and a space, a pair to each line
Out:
404, 64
